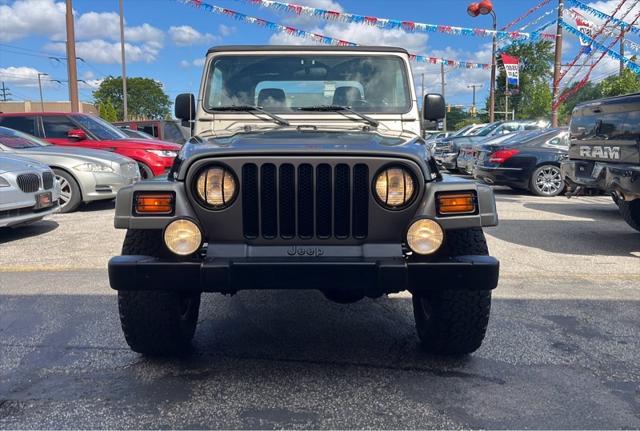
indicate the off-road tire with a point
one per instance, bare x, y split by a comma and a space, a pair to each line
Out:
454, 322
156, 323
70, 187
630, 212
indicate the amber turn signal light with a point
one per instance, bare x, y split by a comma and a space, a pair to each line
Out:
154, 203
456, 203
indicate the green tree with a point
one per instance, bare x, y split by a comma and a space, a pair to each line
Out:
536, 102
107, 111
616, 85
536, 59
145, 97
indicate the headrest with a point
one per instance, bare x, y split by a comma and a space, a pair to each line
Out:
272, 98
347, 96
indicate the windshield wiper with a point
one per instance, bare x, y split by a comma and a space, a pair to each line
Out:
252, 108
340, 108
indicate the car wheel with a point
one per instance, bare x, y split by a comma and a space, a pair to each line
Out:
630, 212
70, 194
546, 181
156, 323
454, 322
145, 171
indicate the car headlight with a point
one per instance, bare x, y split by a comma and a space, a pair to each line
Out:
94, 167
164, 153
395, 187
4, 183
217, 187
425, 236
182, 237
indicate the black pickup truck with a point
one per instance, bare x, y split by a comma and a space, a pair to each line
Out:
604, 153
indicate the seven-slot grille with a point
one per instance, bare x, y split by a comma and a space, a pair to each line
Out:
47, 180
305, 200
29, 183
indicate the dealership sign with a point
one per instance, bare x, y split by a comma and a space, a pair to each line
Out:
512, 69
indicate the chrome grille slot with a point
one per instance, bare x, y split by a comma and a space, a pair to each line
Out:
47, 180
29, 183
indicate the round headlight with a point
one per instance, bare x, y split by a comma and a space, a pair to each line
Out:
395, 187
182, 237
425, 236
216, 187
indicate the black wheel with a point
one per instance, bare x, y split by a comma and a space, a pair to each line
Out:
145, 171
156, 323
616, 199
546, 181
454, 322
70, 194
630, 212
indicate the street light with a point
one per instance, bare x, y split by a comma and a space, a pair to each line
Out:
40, 87
485, 7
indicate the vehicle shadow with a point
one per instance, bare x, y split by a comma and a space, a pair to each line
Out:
98, 206
577, 237
21, 232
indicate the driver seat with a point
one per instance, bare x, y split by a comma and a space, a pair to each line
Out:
347, 96
272, 98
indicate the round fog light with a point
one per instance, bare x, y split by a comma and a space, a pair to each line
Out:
182, 237
425, 236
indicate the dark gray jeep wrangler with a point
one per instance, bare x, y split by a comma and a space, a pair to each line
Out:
306, 171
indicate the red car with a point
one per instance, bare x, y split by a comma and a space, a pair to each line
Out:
88, 131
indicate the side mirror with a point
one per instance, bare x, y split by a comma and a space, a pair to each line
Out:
185, 108
433, 108
77, 134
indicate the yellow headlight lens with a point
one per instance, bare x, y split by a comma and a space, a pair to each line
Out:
182, 237
217, 187
425, 236
395, 187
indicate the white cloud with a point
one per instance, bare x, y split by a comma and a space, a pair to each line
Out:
198, 62
23, 76
102, 51
185, 35
226, 30
31, 17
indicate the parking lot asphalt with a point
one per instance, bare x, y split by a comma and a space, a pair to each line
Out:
562, 349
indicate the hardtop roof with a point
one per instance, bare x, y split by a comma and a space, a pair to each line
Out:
314, 48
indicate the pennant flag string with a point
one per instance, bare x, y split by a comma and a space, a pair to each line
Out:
540, 5
319, 38
578, 16
390, 24
601, 15
630, 64
538, 20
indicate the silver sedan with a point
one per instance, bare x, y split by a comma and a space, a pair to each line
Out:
28, 191
85, 175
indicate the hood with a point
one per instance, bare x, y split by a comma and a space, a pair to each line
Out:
308, 143
79, 153
145, 144
16, 163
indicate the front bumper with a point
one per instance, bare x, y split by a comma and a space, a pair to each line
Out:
622, 179
373, 277
99, 186
501, 176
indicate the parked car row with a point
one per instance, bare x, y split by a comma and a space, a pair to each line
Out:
88, 159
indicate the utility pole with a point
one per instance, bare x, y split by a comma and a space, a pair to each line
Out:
124, 67
506, 96
40, 87
557, 66
621, 52
473, 106
71, 59
492, 90
444, 84
5, 92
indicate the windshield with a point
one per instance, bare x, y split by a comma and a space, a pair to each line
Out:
281, 83
99, 128
17, 141
487, 129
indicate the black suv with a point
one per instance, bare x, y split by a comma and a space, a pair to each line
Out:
604, 153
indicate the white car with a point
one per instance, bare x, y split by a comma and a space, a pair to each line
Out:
28, 191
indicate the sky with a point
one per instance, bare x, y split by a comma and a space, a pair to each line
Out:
167, 40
